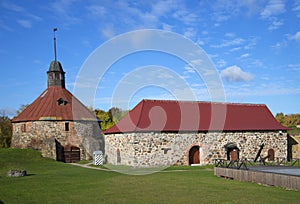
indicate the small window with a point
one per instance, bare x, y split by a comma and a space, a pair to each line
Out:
23, 127
67, 126
61, 101
118, 156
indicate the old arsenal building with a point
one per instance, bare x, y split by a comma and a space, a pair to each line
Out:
163, 132
57, 123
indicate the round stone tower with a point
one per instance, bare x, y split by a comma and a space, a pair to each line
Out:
57, 123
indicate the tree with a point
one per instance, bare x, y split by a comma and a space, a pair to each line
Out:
280, 118
5, 131
116, 114
23, 107
109, 118
291, 120
106, 120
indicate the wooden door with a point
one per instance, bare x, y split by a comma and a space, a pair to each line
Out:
196, 158
71, 154
234, 155
194, 155
271, 156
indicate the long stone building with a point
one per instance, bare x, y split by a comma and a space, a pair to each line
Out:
163, 132
57, 123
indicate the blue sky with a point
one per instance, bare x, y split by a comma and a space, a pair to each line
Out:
254, 45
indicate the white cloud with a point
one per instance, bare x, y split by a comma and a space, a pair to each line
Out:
297, 8
230, 35
235, 74
167, 27
189, 69
162, 7
63, 11
25, 23
12, 7
279, 45
108, 32
252, 43
296, 37
273, 8
190, 32
221, 63
275, 24
186, 17
271, 12
245, 55
228, 43
97, 10
294, 67
235, 49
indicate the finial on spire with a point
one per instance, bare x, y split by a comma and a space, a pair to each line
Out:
54, 30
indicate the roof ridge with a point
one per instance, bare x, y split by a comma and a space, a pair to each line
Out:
213, 102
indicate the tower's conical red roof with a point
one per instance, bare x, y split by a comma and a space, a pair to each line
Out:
55, 103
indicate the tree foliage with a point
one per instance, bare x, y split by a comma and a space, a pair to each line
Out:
5, 131
290, 120
110, 117
23, 107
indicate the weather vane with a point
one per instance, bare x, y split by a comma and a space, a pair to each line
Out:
54, 30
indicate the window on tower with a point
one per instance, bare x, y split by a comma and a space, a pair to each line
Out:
67, 126
23, 127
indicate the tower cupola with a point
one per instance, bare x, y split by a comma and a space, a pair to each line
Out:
56, 74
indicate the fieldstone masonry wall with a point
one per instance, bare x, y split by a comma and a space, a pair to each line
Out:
164, 149
44, 136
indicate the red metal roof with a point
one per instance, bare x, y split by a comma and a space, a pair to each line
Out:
55, 103
176, 116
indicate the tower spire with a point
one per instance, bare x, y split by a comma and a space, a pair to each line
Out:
56, 74
54, 30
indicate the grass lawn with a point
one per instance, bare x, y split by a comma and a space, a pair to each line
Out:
55, 182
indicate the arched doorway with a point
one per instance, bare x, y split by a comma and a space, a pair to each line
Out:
194, 155
271, 154
232, 151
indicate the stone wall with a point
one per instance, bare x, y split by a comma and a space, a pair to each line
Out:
164, 149
46, 135
295, 146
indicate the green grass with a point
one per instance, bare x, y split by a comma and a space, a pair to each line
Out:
55, 182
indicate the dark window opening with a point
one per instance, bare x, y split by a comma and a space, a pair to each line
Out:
61, 101
118, 156
67, 126
23, 127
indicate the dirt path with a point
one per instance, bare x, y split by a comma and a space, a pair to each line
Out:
90, 167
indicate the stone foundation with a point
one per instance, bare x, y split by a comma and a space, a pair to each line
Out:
47, 136
164, 149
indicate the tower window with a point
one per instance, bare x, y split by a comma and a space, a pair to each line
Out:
67, 126
23, 127
61, 101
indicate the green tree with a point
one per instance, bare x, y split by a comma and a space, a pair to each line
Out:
23, 107
290, 120
5, 131
109, 118
116, 114
280, 118
106, 120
